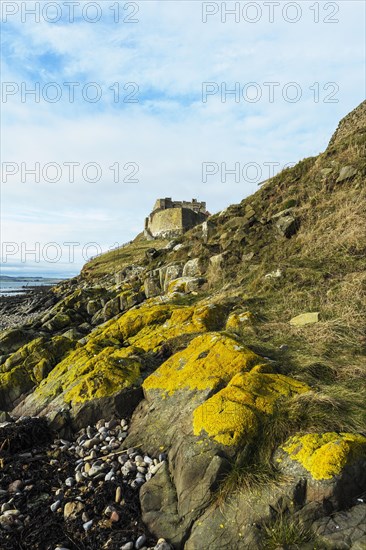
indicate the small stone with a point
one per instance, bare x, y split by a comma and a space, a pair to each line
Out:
71, 509
118, 496
88, 525
127, 546
15, 486
70, 482
55, 506
114, 516
140, 542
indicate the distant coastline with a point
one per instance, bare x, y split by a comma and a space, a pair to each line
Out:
12, 286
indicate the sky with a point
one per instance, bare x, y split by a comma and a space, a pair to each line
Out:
107, 106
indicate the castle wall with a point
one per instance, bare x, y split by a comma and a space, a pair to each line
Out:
166, 223
172, 222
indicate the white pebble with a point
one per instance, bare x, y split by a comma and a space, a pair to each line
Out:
88, 525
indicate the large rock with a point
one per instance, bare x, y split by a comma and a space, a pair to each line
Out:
152, 285
13, 339
347, 172
185, 285
333, 465
201, 405
343, 531
193, 268
287, 226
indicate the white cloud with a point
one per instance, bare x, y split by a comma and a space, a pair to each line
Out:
170, 132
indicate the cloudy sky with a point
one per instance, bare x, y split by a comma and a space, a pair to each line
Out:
108, 105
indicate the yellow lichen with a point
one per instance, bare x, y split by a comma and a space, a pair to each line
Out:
325, 455
209, 360
236, 320
235, 412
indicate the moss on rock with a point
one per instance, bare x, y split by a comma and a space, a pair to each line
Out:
325, 455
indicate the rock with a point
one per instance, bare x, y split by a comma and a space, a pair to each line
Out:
305, 319
72, 334
152, 286
58, 322
236, 320
151, 253
111, 309
208, 229
93, 306
140, 542
170, 273
12, 339
88, 525
185, 285
347, 172
287, 226
5, 417
72, 509
274, 274
193, 268
55, 506
162, 544
127, 546
217, 261
15, 486
343, 530
331, 464
114, 517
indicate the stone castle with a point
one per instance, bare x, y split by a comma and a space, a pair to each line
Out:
170, 218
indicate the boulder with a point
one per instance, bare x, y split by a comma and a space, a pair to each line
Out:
13, 339
208, 230
287, 226
347, 172
185, 285
193, 268
332, 465
305, 319
168, 273
344, 530
152, 286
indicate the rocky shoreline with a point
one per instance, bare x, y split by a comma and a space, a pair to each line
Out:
75, 493
20, 309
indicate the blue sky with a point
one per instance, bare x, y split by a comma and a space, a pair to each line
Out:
169, 132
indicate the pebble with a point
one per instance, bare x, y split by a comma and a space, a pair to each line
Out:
118, 496
88, 525
55, 506
140, 542
114, 516
15, 486
91, 456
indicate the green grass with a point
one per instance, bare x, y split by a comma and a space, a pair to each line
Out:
287, 532
118, 259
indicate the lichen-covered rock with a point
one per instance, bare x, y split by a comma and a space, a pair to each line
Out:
235, 413
236, 320
29, 365
152, 286
193, 268
12, 339
305, 319
210, 360
325, 455
185, 285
